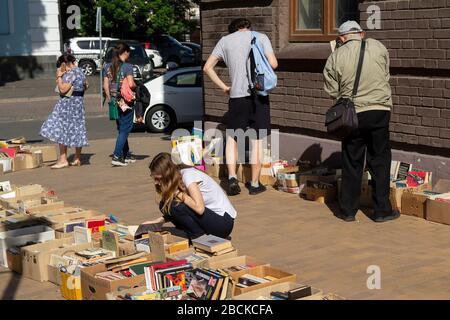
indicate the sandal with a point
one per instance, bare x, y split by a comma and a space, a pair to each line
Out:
76, 163
60, 165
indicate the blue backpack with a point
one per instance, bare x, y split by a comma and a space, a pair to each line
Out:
262, 77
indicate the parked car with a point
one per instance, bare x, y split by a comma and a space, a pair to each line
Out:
142, 64
87, 52
176, 98
171, 50
157, 60
197, 49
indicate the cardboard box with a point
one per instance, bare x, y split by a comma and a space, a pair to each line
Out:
262, 271
321, 195
20, 221
49, 152
93, 288
21, 237
165, 243
14, 261
236, 261
1, 169
54, 275
6, 164
244, 173
215, 168
203, 263
414, 204
70, 286
397, 193
438, 211
303, 178
36, 258
57, 221
45, 208
281, 287
24, 161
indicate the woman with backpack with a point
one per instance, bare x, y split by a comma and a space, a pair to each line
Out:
190, 199
117, 74
66, 125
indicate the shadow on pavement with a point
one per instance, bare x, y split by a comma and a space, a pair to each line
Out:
10, 292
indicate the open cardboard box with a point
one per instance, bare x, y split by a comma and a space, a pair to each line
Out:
49, 152
46, 206
14, 261
51, 209
36, 258
236, 261
93, 288
281, 287
439, 211
162, 244
23, 236
57, 221
202, 263
321, 195
262, 271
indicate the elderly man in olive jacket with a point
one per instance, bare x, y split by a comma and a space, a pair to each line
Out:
373, 103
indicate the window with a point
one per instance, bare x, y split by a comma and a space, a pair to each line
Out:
191, 79
4, 17
318, 20
96, 44
85, 45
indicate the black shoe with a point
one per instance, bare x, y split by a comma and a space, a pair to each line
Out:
383, 216
118, 162
345, 217
256, 190
233, 187
130, 158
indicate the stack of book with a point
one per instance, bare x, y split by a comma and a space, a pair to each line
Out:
209, 245
167, 275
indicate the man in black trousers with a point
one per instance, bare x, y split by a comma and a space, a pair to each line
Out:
373, 103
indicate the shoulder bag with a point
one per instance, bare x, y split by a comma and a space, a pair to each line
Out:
113, 104
341, 119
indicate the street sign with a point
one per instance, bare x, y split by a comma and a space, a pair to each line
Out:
98, 22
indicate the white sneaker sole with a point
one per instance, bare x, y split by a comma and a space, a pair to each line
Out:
130, 161
118, 164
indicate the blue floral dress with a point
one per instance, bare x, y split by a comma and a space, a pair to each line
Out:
66, 124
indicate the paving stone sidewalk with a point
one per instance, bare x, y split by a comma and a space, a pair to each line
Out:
295, 235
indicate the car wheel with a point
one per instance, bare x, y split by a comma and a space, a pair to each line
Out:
88, 67
159, 119
175, 60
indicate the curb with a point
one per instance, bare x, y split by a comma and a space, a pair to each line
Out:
37, 99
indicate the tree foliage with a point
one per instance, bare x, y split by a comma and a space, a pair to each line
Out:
133, 18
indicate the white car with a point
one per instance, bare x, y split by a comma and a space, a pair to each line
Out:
176, 97
87, 52
156, 59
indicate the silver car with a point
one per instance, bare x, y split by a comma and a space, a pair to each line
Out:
176, 97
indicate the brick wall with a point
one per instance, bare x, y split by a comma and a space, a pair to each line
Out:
417, 34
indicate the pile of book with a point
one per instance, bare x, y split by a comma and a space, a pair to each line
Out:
208, 245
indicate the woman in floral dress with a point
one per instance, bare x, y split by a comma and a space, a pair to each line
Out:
66, 124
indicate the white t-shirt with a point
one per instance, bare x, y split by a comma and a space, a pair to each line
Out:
214, 197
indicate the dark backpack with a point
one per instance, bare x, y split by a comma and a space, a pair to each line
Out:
143, 98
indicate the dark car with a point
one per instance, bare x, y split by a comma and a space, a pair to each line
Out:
142, 66
171, 50
197, 49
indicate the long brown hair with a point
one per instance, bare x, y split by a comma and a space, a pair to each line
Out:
119, 49
171, 180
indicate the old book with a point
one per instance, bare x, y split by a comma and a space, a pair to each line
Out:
210, 243
70, 226
301, 292
82, 235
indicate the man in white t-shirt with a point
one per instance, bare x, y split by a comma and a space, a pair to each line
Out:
245, 108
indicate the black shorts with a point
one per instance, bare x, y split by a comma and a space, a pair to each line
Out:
250, 112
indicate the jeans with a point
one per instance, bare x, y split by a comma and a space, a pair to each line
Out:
195, 225
370, 142
124, 126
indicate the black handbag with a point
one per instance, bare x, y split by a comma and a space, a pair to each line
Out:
341, 119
